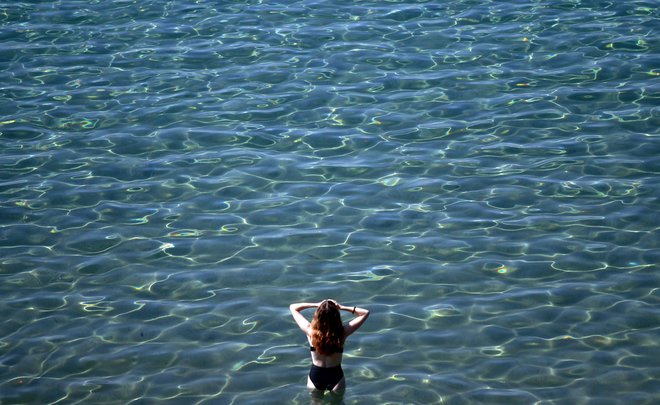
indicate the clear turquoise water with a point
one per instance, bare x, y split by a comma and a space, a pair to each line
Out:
481, 175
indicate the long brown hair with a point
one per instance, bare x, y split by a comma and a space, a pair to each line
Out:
327, 329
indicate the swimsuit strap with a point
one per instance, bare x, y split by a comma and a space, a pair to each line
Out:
313, 349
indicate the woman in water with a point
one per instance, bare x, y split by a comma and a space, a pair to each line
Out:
326, 335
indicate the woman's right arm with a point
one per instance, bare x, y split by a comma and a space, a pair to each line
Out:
355, 323
302, 322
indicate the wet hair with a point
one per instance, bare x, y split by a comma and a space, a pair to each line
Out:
327, 329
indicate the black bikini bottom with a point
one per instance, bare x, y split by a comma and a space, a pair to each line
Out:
325, 378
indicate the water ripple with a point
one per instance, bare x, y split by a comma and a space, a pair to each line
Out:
481, 176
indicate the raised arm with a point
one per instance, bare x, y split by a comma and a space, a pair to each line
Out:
302, 322
361, 315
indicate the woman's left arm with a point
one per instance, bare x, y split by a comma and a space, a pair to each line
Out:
302, 322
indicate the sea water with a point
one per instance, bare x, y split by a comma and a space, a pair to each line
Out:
481, 175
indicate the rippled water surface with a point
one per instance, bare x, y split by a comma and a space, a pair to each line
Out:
481, 175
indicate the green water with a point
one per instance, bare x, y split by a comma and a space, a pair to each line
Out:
482, 176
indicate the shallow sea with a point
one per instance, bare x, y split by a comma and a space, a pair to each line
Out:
481, 175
